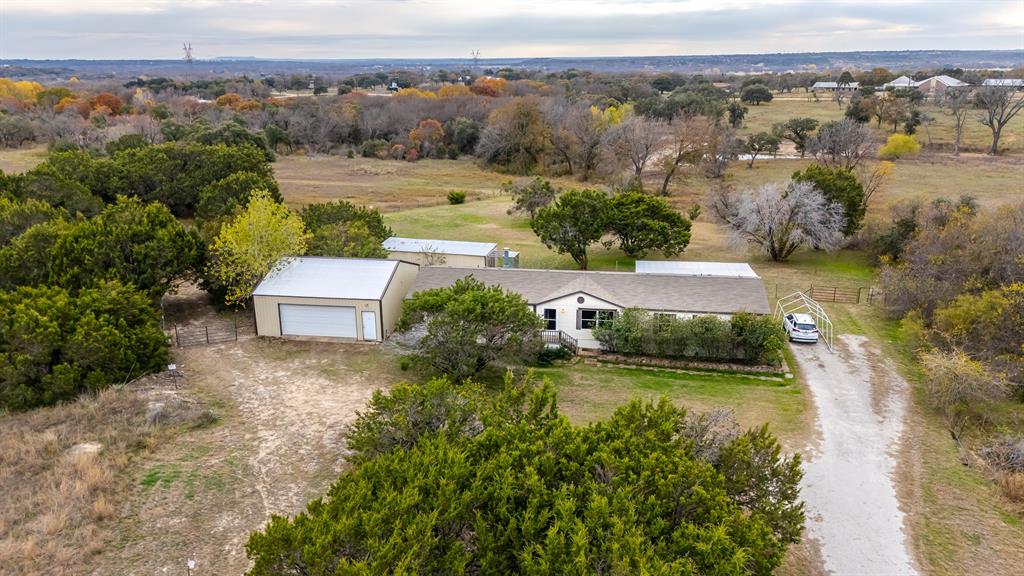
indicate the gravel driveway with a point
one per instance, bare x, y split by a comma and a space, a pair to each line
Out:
849, 484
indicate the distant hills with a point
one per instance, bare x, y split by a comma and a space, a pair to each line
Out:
710, 64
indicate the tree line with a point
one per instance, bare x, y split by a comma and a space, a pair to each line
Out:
90, 244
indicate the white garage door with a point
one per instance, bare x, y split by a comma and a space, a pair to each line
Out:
306, 320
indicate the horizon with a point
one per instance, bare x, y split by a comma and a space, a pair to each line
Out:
504, 29
513, 58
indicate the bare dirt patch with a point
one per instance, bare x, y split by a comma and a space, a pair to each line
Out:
849, 482
283, 407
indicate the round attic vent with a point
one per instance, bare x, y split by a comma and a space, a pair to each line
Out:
580, 300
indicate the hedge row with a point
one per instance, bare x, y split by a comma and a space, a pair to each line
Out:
745, 338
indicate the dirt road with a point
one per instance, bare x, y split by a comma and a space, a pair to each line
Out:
849, 482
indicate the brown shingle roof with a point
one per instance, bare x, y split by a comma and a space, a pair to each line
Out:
626, 289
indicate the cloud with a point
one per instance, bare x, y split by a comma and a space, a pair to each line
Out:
499, 28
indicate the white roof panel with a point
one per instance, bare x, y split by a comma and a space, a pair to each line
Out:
312, 277
397, 244
717, 269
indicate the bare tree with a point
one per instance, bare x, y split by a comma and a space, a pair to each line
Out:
722, 146
998, 106
688, 140
559, 136
587, 134
957, 103
636, 139
780, 219
959, 386
431, 256
843, 144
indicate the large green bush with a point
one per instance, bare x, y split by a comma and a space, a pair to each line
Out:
131, 242
445, 482
55, 345
172, 173
469, 326
745, 338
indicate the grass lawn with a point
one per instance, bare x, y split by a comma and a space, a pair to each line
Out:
591, 391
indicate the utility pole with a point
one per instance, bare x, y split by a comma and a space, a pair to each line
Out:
187, 47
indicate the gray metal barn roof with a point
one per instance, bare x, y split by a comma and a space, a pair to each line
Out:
720, 269
668, 292
398, 244
344, 278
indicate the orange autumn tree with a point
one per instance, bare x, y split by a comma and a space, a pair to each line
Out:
228, 100
108, 101
491, 87
427, 135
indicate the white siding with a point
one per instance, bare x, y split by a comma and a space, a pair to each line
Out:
567, 307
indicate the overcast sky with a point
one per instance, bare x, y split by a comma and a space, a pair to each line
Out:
144, 29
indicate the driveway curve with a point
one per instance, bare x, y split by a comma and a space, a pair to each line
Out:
849, 482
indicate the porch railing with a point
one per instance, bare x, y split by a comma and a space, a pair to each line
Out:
559, 338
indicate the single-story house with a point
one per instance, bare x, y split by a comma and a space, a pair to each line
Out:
717, 269
574, 302
939, 84
450, 253
903, 82
835, 87
1015, 83
351, 299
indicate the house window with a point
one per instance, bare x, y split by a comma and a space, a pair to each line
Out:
550, 319
592, 318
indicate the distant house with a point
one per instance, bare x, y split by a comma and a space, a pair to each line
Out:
835, 87
347, 299
901, 83
574, 302
1015, 83
450, 253
937, 85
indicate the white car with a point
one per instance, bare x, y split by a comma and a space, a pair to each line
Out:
800, 328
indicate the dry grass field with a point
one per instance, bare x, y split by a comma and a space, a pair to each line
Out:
17, 160
67, 472
387, 185
977, 137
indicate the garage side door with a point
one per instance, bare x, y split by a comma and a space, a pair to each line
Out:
307, 320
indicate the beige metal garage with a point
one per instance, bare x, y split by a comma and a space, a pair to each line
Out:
357, 299
452, 253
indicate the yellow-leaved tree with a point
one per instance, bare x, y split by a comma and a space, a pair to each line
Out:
251, 245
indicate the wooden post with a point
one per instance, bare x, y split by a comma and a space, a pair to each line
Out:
207, 329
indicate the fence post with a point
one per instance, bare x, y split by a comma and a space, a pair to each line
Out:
177, 339
834, 289
207, 329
